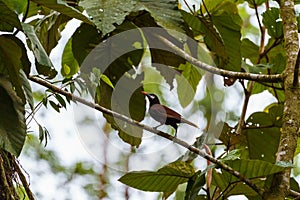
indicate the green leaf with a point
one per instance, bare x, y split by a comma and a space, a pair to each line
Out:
230, 187
226, 19
165, 13
187, 83
262, 127
48, 29
272, 21
81, 48
60, 100
8, 19
19, 6
194, 185
106, 80
54, 106
105, 14
43, 63
255, 168
62, 7
69, 64
249, 50
25, 63
10, 57
27, 90
12, 115
166, 179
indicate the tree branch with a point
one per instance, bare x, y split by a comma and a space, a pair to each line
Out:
148, 128
226, 73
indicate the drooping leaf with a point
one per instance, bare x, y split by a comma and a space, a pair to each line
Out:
12, 115
25, 64
62, 7
8, 18
43, 63
10, 57
166, 179
48, 29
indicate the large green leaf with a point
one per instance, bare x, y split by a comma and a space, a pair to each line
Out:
8, 19
251, 169
62, 7
255, 168
10, 57
165, 13
12, 119
43, 63
262, 127
107, 14
166, 179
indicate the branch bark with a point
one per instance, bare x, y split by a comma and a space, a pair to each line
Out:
291, 118
226, 73
150, 129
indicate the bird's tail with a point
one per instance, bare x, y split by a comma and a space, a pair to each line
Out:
188, 122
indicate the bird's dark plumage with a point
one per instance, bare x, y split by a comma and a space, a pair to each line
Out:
163, 114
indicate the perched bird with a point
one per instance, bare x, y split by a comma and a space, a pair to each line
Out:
163, 114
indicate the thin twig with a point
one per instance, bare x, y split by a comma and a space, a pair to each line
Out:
244, 109
226, 73
150, 129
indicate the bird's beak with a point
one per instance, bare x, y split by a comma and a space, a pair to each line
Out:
144, 93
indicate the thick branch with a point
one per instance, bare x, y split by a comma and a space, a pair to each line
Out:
226, 73
150, 129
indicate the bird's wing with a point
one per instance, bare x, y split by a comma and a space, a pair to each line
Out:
171, 113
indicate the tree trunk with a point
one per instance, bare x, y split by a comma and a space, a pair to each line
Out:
291, 118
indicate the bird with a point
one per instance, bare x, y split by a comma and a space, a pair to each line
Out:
163, 114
